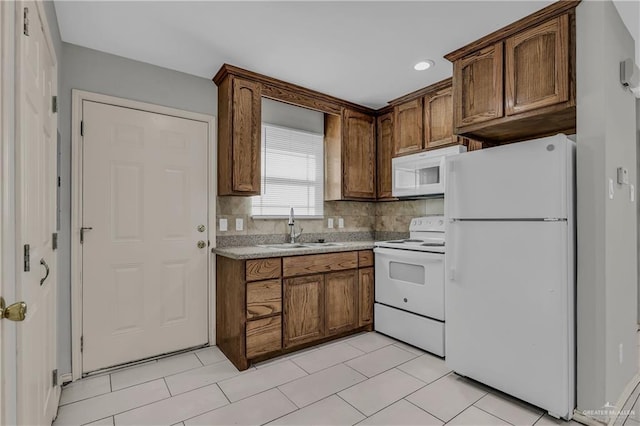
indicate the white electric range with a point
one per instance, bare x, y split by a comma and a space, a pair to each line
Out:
409, 285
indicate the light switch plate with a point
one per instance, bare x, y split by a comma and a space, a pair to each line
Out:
340, 222
330, 223
223, 225
239, 224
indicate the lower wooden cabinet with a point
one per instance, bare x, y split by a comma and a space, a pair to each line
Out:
341, 301
303, 309
266, 307
366, 284
264, 336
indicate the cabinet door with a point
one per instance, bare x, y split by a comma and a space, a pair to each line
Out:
341, 301
438, 119
303, 309
366, 286
408, 127
478, 86
537, 66
246, 135
385, 149
359, 155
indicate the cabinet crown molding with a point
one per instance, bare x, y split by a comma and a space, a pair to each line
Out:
554, 9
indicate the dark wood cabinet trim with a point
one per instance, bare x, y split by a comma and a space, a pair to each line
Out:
554, 9
420, 93
291, 93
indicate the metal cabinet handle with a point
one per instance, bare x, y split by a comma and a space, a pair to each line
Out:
46, 269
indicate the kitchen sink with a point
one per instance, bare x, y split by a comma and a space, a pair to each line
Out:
287, 246
284, 246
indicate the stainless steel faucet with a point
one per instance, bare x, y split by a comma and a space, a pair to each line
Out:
292, 228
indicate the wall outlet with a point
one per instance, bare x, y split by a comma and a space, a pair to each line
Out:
330, 223
340, 222
620, 353
222, 225
239, 224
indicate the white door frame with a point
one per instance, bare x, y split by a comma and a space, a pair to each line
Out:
76, 208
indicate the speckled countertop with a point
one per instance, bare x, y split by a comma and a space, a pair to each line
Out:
255, 252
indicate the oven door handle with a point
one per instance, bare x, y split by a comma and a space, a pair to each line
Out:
409, 255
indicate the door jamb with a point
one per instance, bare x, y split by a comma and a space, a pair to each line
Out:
78, 96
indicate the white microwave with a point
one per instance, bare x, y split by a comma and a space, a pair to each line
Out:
421, 175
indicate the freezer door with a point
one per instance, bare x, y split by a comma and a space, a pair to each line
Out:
531, 179
509, 298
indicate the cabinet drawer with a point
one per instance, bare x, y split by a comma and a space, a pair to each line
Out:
304, 265
264, 336
365, 258
264, 298
263, 269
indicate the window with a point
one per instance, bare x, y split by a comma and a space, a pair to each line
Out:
292, 174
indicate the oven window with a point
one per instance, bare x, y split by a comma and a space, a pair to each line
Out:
407, 272
428, 175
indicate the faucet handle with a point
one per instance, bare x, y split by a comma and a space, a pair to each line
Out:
299, 233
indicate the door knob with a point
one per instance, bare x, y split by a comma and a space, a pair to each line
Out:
201, 244
14, 312
201, 228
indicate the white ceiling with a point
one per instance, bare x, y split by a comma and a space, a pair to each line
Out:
360, 51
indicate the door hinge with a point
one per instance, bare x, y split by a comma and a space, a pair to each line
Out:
59, 182
25, 26
27, 261
54, 104
81, 343
81, 128
54, 377
54, 240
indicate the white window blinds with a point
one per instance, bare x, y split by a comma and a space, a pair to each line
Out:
292, 173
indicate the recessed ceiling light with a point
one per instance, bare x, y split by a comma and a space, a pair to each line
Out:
423, 65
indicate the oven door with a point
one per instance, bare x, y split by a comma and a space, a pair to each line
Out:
417, 175
410, 280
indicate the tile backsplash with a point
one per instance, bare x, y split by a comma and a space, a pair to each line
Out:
362, 221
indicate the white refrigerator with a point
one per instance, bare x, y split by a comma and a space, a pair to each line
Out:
510, 262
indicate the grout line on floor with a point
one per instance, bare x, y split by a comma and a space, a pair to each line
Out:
426, 411
491, 414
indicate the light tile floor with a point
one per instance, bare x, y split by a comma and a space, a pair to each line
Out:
367, 379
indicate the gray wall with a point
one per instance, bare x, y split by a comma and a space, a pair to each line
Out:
282, 114
607, 235
103, 73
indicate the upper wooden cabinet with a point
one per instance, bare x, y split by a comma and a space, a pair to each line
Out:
537, 66
519, 82
239, 106
438, 119
423, 120
384, 133
350, 156
479, 86
408, 127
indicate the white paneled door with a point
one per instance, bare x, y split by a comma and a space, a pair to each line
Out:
144, 237
36, 178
